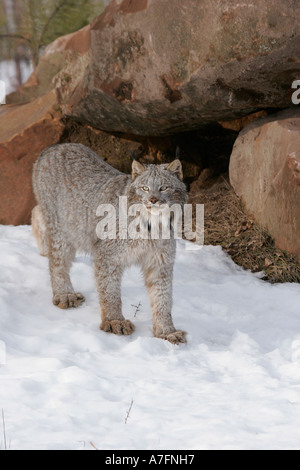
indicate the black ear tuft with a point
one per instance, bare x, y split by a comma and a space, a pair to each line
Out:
133, 155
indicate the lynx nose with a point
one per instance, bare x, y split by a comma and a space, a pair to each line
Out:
153, 199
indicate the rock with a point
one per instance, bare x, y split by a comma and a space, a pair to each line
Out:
208, 147
239, 124
25, 130
265, 173
62, 64
158, 67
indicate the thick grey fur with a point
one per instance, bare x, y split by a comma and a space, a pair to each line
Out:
70, 181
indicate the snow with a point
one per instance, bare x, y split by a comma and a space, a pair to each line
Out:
8, 73
65, 383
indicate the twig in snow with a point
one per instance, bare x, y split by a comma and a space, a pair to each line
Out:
128, 412
137, 308
93, 445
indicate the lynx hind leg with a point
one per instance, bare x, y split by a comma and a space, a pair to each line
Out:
39, 230
61, 256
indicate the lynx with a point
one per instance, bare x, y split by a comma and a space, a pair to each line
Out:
70, 181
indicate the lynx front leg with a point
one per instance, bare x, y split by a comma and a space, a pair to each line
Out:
108, 283
61, 256
159, 285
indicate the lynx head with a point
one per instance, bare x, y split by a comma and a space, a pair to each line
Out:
157, 185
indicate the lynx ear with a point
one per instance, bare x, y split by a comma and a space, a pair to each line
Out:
137, 169
175, 167
133, 155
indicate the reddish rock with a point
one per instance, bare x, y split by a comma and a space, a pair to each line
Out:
265, 173
239, 124
62, 65
158, 67
25, 130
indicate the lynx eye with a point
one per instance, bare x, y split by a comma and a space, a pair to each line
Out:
145, 188
164, 188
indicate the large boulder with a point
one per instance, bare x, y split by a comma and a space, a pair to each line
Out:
25, 130
265, 172
158, 67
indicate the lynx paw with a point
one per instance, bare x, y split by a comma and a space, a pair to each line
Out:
71, 300
118, 327
175, 337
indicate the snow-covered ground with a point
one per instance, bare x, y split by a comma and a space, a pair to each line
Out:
65, 383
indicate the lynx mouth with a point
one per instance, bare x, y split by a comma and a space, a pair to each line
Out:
157, 208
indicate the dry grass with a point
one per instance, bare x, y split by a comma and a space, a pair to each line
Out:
226, 224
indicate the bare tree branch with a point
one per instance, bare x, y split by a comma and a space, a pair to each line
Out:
15, 36
46, 25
